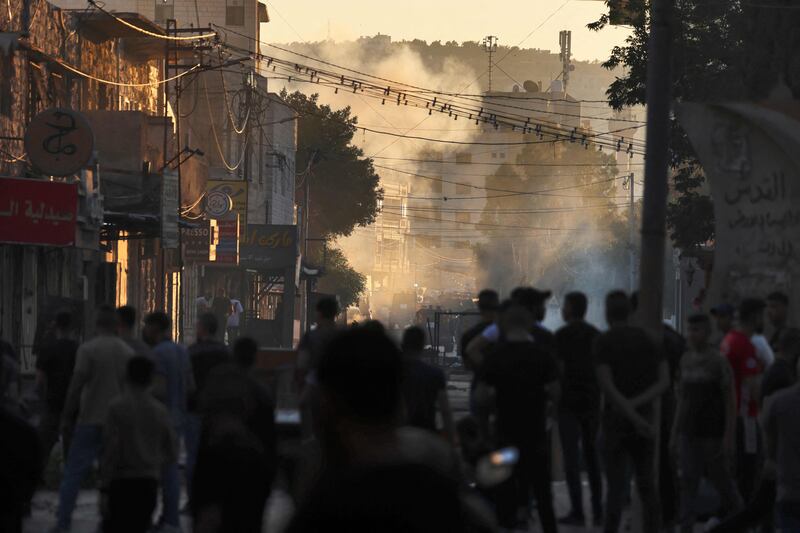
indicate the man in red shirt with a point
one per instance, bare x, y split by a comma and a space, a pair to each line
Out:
741, 355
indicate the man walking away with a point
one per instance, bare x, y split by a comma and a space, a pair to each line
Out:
20, 466
424, 387
100, 368
488, 303
783, 455
54, 368
234, 320
579, 410
221, 307
205, 355
309, 352
704, 431
138, 442
236, 462
741, 354
173, 383
633, 375
525, 377
126, 316
778, 316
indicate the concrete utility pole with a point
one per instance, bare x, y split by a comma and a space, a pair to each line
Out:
490, 46
630, 183
659, 84
565, 43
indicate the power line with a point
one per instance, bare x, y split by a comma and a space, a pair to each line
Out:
439, 161
150, 33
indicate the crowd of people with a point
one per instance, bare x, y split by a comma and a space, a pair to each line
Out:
379, 447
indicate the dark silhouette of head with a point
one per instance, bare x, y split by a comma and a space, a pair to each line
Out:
127, 318
533, 300
751, 314
359, 375
106, 320
575, 305
618, 308
244, 352
140, 372
327, 309
156, 327
207, 326
777, 309
413, 340
63, 321
488, 302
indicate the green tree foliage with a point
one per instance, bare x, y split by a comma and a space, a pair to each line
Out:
341, 279
734, 50
345, 189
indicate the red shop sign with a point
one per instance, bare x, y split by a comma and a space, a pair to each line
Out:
38, 212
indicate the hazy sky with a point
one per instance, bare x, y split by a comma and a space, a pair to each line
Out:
446, 20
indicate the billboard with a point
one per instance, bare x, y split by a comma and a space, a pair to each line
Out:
38, 212
269, 246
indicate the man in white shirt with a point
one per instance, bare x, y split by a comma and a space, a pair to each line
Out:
234, 320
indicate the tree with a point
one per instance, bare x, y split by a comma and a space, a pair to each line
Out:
345, 189
341, 279
732, 50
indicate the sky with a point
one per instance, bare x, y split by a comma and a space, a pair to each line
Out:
524, 23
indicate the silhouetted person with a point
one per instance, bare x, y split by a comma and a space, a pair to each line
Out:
579, 409
126, 328
632, 375
138, 443
778, 316
424, 387
724, 318
377, 476
488, 303
525, 377
173, 383
54, 367
309, 352
704, 430
205, 354
20, 466
100, 369
221, 307
236, 461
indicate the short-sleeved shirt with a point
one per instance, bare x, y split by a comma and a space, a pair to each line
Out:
704, 385
519, 372
236, 313
56, 361
422, 384
741, 355
633, 359
579, 390
763, 350
781, 418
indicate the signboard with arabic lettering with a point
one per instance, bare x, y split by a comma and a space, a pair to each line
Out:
224, 197
59, 142
269, 246
169, 210
38, 212
751, 153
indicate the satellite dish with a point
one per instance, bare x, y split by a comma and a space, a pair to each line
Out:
531, 86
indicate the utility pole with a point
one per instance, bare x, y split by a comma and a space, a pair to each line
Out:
654, 211
630, 184
490, 47
565, 43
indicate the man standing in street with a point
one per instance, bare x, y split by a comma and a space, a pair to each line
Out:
205, 355
743, 358
234, 320
579, 410
633, 375
221, 307
138, 442
98, 378
704, 432
174, 382
54, 368
488, 302
778, 316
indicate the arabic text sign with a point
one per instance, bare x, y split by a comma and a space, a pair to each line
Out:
755, 186
37, 212
269, 246
224, 197
196, 242
169, 210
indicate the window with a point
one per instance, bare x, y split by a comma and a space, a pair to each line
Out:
463, 158
234, 13
502, 155
494, 155
165, 10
